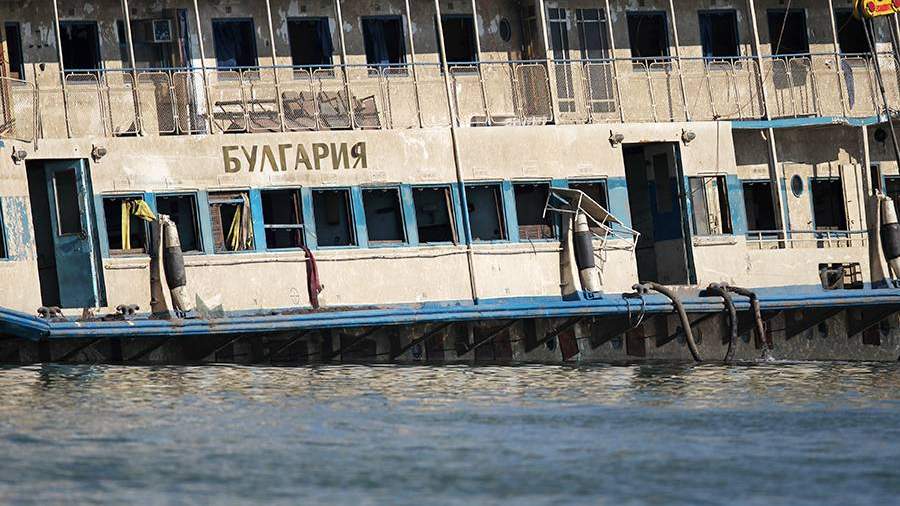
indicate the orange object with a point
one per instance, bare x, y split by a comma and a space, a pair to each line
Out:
875, 8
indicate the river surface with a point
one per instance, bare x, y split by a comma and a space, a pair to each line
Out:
782, 433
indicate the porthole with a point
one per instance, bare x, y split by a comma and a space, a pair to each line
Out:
505, 30
797, 185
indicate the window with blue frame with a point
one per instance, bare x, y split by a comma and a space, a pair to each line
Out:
334, 217
232, 223
531, 198
384, 216
182, 210
126, 234
283, 218
434, 214
597, 191
486, 220
710, 212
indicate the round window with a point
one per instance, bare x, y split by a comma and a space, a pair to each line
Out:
797, 185
505, 30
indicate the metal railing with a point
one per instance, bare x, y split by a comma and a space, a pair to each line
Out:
274, 99
807, 239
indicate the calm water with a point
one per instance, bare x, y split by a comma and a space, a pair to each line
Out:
650, 434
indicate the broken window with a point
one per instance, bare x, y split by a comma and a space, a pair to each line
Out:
459, 38
80, 45
182, 210
592, 33
434, 218
597, 191
149, 51
719, 34
235, 43
759, 206
283, 218
126, 233
232, 224
711, 214
787, 32
485, 203
851, 32
334, 217
16, 61
384, 216
310, 41
384, 41
648, 34
531, 198
828, 203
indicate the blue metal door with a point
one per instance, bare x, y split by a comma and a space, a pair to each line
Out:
73, 233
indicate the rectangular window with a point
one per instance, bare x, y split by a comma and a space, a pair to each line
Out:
80, 45
711, 214
235, 43
434, 217
759, 206
719, 34
559, 34
283, 218
459, 38
851, 33
828, 203
596, 190
148, 53
334, 217
592, 33
648, 34
126, 234
383, 39
14, 50
384, 216
182, 209
787, 32
531, 198
892, 189
486, 220
3, 252
68, 211
232, 224
310, 41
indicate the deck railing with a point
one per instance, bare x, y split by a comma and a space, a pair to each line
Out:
807, 239
273, 99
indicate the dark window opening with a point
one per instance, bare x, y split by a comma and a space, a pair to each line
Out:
892, 189
283, 219
459, 38
126, 234
80, 45
531, 198
759, 206
182, 210
148, 53
384, 41
592, 33
334, 217
310, 41
68, 211
384, 215
559, 43
648, 34
787, 32
16, 61
711, 213
719, 34
3, 253
235, 43
828, 204
232, 224
434, 219
851, 33
486, 220
597, 191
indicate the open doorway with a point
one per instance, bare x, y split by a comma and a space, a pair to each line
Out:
656, 198
80, 45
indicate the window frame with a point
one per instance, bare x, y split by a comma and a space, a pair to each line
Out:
665, 58
254, 46
311, 67
554, 223
781, 12
210, 194
724, 204
502, 211
810, 183
198, 219
4, 244
302, 226
118, 252
751, 233
20, 54
403, 42
451, 212
441, 55
351, 219
735, 25
403, 219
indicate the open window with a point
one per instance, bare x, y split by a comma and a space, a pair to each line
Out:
283, 218
648, 34
892, 189
828, 203
851, 33
16, 61
126, 233
787, 32
459, 38
3, 251
531, 198
310, 41
182, 210
80, 45
710, 212
592, 33
434, 215
597, 191
719, 34
384, 216
334, 217
384, 41
759, 207
486, 219
149, 53
235, 43
232, 224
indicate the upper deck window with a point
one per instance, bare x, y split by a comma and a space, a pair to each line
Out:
759, 206
148, 53
851, 32
648, 34
719, 34
310, 41
80, 45
16, 63
828, 203
559, 33
592, 33
787, 31
235, 43
384, 41
459, 38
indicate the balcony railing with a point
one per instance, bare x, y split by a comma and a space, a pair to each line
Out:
275, 99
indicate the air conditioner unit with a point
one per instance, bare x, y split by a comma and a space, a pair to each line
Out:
162, 31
